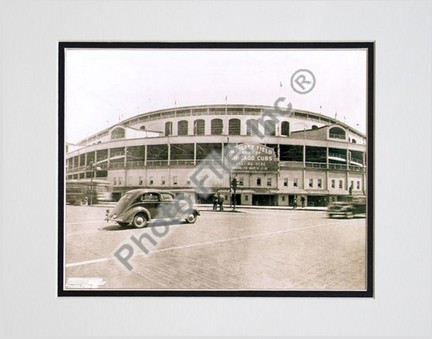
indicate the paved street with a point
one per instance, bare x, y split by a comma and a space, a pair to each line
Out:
250, 249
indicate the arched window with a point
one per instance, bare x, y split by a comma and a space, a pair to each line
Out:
118, 133
314, 127
216, 127
234, 127
142, 127
337, 133
354, 141
258, 181
252, 127
199, 127
285, 128
168, 128
269, 128
182, 127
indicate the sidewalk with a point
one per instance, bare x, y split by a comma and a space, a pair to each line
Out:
209, 207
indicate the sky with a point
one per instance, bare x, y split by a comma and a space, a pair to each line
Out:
105, 86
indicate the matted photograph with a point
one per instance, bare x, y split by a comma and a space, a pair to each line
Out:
216, 169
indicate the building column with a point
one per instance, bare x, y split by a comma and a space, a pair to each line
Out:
304, 155
347, 181
327, 180
125, 157
327, 157
145, 155
109, 156
194, 159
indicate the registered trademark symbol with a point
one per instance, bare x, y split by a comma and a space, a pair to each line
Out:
303, 81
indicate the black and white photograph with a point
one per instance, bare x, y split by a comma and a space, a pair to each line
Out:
236, 169
215, 168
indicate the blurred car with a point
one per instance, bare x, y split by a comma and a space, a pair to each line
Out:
138, 207
350, 207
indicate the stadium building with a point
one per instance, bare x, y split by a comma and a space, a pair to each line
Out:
280, 156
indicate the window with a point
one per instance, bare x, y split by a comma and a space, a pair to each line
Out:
285, 182
174, 180
182, 127
310, 182
285, 128
358, 185
240, 181
166, 197
199, 127
149, 197
252, 127
234, 127
140, 181
118, 133
246, 198
258, 181
320, 183
269, 181
341, 184
283, 198
216, 127
337, 133
168, 128
151, 181
269, 128
163, 180
295, 182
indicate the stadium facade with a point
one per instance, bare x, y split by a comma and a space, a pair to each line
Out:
284, 156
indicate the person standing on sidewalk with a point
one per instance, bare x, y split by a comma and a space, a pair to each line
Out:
220, 201
303, 201
215, 201
295, 202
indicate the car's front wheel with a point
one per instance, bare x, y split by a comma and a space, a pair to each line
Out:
191, 218
140, 220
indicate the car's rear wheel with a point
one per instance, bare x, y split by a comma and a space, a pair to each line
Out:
191, 218
140, 220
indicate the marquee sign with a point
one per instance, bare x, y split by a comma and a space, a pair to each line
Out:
252, 158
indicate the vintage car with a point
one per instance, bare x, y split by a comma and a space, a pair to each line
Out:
349, 207
138, 207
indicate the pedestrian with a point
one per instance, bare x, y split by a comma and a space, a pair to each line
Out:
303, 201
221, 202
295, 202
215, 201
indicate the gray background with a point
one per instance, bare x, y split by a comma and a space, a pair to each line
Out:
29, 34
